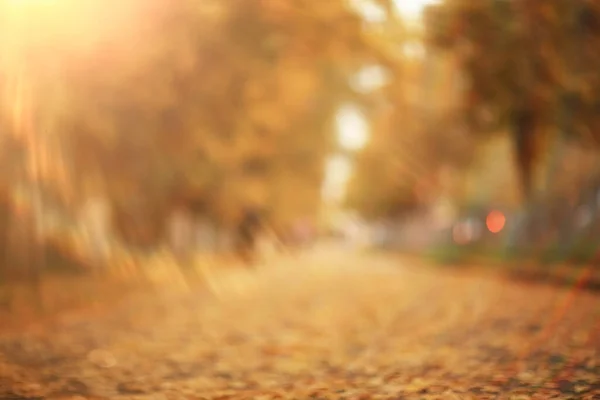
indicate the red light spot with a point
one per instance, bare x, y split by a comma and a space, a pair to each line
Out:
495, 221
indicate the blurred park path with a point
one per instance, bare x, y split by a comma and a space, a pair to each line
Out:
330, 323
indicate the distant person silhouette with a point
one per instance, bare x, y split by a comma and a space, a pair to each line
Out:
248, 231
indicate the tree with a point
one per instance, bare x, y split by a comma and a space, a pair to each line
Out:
399, 171
200, 98
531, 66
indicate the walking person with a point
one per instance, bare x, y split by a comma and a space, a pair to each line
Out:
248, 231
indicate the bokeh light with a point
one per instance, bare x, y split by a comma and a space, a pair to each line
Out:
352, 128
495, 221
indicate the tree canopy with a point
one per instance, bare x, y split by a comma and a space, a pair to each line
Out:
532, 66
223, 101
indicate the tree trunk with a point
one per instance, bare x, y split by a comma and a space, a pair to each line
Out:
524, 140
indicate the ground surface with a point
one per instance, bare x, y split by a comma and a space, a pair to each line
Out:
331, 325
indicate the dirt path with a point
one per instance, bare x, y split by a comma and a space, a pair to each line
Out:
334, 324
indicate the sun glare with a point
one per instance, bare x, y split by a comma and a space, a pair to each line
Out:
33, 12
412, 9
352, 128
337, 174
26, 3
67, 26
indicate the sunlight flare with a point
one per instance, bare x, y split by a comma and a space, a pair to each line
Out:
412, 9
352, 128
